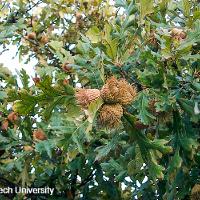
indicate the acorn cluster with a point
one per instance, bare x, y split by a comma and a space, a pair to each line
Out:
115, 94
110, 115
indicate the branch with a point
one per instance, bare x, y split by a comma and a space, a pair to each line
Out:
7, 182
73, 184
34, 5
87, 179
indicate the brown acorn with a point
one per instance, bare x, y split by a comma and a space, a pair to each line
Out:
66, 67
44, 39
85, 96
78, 16
65, 82
110, 115
36, 80
39, 135
4, 125
28, 148
13, 117
31, 36
195, 193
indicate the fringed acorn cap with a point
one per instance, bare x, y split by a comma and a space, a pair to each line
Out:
110, 115
85, 96
110, 90
195, 193
118, 91
127, 92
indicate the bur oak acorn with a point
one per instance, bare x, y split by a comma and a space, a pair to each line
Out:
39, 135
31, 36
12, 117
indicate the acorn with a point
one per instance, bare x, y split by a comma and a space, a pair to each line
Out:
28, 148
4, 125
78, 16
65, 81
44, 39
31, 36
85, 96
36, 80
39, 135
127, 92
66, 67
110, 115
110, 90
195, 193
12, 117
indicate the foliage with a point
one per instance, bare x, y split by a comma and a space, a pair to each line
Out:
154, 153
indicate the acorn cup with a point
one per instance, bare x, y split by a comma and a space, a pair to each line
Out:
110, 115
195, 193
118, 91
86, 96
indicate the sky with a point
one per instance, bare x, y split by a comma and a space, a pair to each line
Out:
11, 61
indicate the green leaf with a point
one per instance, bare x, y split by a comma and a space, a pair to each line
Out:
175, 163
146, 7
63, 55
49, 108
3, 95
142, 105
134, 166
189, 144
156, 170
45, 146
159, 144
196, 86
94, 34
24, 78
23, 107
24, 176
103, 151
93, 108
188, 106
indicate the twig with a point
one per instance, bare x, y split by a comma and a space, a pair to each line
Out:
73, 184
87, 179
